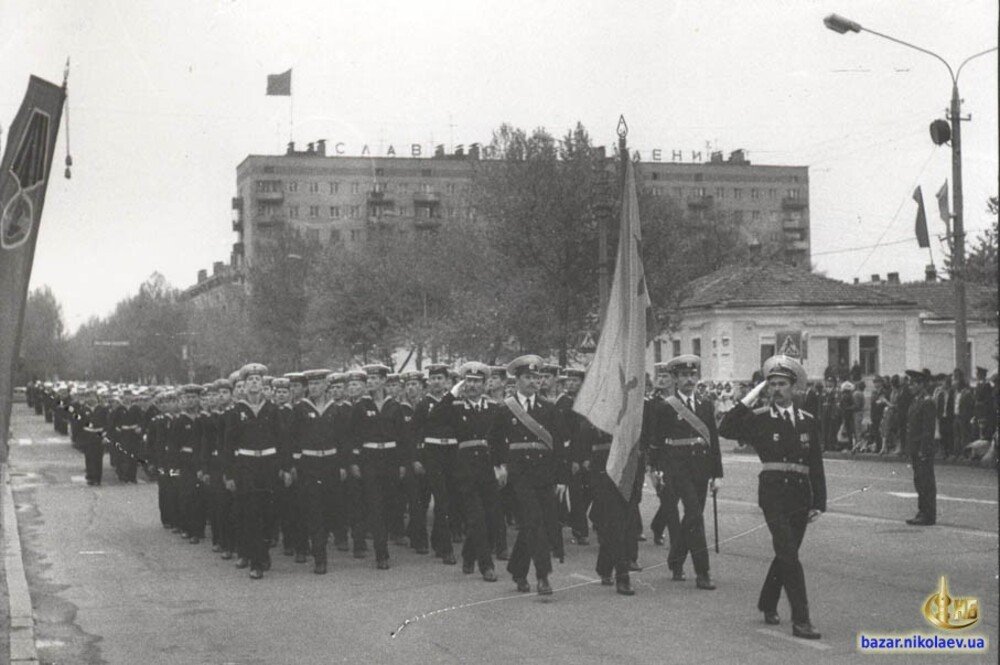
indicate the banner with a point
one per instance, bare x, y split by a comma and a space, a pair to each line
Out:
24, 175
280, 84
921, 224
611, 397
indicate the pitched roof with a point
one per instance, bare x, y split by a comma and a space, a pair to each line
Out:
938, 298
777, 284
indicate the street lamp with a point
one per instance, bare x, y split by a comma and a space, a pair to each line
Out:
841, 25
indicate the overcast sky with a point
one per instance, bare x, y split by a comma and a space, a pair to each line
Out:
166, 98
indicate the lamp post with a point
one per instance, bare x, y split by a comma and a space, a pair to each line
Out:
841, 25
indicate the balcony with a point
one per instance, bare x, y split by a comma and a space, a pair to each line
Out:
269, 197
268, 222
427, 198
794, 203
701, 202
794, 224
238, 225
802, 245
237, 203
380, 199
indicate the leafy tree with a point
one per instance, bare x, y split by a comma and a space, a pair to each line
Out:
42, 338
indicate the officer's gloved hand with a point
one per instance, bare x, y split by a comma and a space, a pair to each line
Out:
418, 468
715, 484
355, 471
751, 396
814, 514
343, 475
230, 485
205, 478
501, 474
575, 468
586, 465
287, 478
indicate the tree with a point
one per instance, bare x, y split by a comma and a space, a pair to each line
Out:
42, 337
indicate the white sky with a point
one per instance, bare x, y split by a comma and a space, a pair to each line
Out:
167, 98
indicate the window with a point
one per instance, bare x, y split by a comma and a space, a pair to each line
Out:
755, 215
792, 193
425, 188
754, 193
379, 187
678, 192
334, 187
269, 186
403, 211
314, 188
268, 209
312, 235
357, 234
335, 235
737, 192
771, 193
766, 351
314, 211
379, 172
675, 347
450, 188
656, 176
868, 354
403, 187
425, 173
657, 351
354, 211
701, 191
293, 212
355, 188
696, 346
720, 192
293, 186
335, 212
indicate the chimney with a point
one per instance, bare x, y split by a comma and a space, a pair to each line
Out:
716, 157
309, 147
217, 268
892, 278
738, 157
876, 279
291, 148
600, 153
930, 273
460, 150
202, 275
474, 151
857, 280
321, 147
439, 150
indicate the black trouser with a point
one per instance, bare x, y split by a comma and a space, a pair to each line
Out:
947, 428
287, 505
93, 457
481, 505
355, 515
508, 515
320, 499
667, 516
380, 476
611, 516
787, 529
128, 462
690, 488
439, 464
166, 486
256, 479
220, 511
580, 498
926, 486
192, 502
537, 506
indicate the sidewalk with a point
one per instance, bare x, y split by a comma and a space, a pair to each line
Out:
17, 613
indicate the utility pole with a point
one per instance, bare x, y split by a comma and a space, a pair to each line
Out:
958, 242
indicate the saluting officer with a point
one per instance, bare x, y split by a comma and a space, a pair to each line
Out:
251, 464
523, 444
792, 484
682, 426
380, 440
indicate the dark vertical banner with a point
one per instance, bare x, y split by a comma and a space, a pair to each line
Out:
24, 175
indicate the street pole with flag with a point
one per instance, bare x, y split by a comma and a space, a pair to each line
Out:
24, 176
280, 85
611, 397
920, 225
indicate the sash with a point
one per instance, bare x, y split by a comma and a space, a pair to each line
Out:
690, 417
536, 427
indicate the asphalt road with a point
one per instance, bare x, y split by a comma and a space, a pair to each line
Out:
109, 584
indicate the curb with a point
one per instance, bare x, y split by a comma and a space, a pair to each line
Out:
22, 619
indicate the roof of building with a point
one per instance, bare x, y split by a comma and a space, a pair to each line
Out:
778, 284
937, 299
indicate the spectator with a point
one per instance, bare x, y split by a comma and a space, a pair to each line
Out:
856, 371
879, 401
985, 406
831, 416
845, 402
944, 406
858, 406
903, 407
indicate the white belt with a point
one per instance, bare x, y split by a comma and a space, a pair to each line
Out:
689, 441
132, 428
320, 453
215, 453
173, 473
441, 442
379, 445
93, 430
187, 449
528, 445
247, 452
474, 443
786, 466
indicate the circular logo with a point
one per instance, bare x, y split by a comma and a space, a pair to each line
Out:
17, 221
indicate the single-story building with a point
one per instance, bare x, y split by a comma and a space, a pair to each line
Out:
736, 317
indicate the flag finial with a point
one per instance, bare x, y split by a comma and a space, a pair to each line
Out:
622, 127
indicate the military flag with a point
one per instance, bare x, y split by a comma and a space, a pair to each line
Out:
921, 224
24, 174
942, 200
612, 393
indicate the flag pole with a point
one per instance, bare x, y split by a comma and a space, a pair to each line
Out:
291, 116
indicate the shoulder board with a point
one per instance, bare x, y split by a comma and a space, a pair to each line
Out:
806, 413
761, 410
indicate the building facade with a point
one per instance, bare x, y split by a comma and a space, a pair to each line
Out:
336, 198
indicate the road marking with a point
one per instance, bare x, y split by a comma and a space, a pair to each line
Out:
54, 439
78, 479
815, 644
585, 578
91, 552
24, 442
944, 497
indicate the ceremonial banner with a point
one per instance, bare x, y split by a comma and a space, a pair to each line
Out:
24, 174
611, 397
921, 224
280, 84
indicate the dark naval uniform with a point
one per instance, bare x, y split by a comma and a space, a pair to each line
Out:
791, 484
920, 417
186, 432
434, 429
477, 483
687, 459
